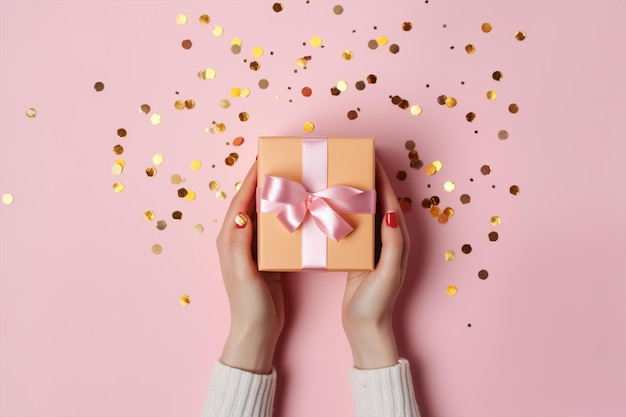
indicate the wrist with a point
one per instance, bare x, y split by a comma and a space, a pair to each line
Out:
373, 346
250, 349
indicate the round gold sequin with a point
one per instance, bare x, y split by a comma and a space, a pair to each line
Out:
442, 218
244, 116
372, 44
435, 211
342, 86
31, 112
186, 44
151, 171
371, 79
255, 66
220, 195
220, 127
359, 85
190, 104
157, 159
181, 19
191, 195
450, 102
235, 92
448, 211
514, 189
144, 109
195, 164
155, 119
451, 290
224, 103
430, 170
245, 92
401, 175
306, 91
427, 203
117, 169
347, 55
179, 105
416, 110
204, 19
157, 249
161, 224
235, 49
470, 117
121, 162
503, 135
177, 215
449, 255
230, 161
497, 75
483, 274
495, 221
118, 149
465, 198
236, 41
409, 145
394, 48
277, 7
257, 52
198, 229
182, 192
263, 84
438, 165
486, 27
184, 300
449, 186
441, 100
492, 95
214, 185
149, 215
406, 26
352, 114
238, 141
238, 185
99, 86
118, 187
382, 40
7, 198
435, 200
513, 108
121, 132
176, 179
217, 31
207, 74
308, 127
470, 49
485, 170
493, 236
316, 41
466, 248
338, 9
520, 35
301, 62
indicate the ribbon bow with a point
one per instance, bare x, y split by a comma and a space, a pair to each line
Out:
295, 201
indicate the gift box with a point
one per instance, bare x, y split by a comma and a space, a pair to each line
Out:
316, 201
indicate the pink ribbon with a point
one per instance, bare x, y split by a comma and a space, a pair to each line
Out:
292, 202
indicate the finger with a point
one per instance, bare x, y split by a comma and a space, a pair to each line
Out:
244, 199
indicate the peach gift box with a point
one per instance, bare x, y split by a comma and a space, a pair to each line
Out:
335, 173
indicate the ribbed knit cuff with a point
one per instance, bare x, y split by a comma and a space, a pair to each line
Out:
384, 392
237, 393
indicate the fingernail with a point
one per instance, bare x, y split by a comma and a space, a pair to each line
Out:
241, 220
257, 158
391, 220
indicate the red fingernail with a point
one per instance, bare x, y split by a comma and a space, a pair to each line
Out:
241, 220
391, 220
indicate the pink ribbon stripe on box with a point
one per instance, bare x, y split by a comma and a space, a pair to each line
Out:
313, 205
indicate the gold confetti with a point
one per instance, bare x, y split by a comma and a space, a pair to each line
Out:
401, 175
245, 92
372, 44
430, 170
177, 215
190, 104
151, 171
485, 170
155, 119
186, 44
450, 102
382, 40
435, 211
406, 26
513, 108
352, 114
235, 92
204, 19
486, 27
492, 95
360, 85
220, 127
409, 145
316, 41
144, 109
191, 195
413, 155
157, 159
465, 198
31, 112
161, 224
442, 100
497, 75
121, 162
347, 55
257, 52
306, 91
470, 49
451, 290
238, 141
309, 127
230, 160
255, 66
438, 165
503, 135
301, 62
470, 117
238, 185
118, 187
7, 198
442, 218
182, 192
448, 211
244, 116
342, 86
417, 164
149, 215
277, 7
449, 186
236, 41
235, 49
520, 35
466, 249
176, 179
449, 255
483, 274
263, 84
179, 105
99, 86
338, 9
121, 132
157, 249
514, 190
435, 200
427, 203
207, 74
184, 300
181, 19
118, 149
495, 221
224, 103
416, 110
195, 164
214, 185
394, 48
493, 236
220, 195
218, 31
198, 229
117, 169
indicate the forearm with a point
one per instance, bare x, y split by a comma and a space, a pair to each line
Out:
249, 349
373, 346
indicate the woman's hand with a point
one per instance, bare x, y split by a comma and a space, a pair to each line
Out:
370, 296
257, 311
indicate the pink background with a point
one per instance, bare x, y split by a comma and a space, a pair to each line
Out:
90, 319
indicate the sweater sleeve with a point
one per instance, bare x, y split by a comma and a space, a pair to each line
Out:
384, 392
237, 393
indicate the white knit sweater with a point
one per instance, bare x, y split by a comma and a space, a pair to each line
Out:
385, 392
